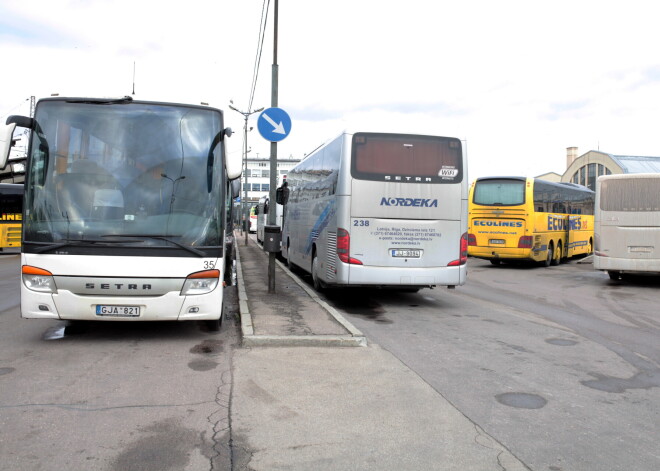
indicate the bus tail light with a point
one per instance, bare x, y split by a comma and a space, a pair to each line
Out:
344, 247
525, 242
463, 254
201, 282
472, 240
38, 279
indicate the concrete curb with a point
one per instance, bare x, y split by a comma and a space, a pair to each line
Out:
354, 339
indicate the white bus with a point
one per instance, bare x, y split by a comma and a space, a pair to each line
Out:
627, 224
379, 210
125, 211
263, 208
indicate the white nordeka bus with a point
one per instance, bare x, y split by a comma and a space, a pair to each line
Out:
627, 224
380, 210
125, 211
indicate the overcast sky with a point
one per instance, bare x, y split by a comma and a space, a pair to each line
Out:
518, 80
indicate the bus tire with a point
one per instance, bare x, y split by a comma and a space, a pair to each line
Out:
614, 275
214, 325
318, 284
495, 261
556, 256
549, 255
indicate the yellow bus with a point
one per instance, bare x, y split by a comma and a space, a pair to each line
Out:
518, 218
11, 215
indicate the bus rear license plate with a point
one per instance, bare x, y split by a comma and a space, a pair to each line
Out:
497, 241
406, 253
117, 311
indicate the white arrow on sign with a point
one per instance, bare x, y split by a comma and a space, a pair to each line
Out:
278, 127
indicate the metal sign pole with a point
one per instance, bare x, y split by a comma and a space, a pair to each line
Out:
273, 158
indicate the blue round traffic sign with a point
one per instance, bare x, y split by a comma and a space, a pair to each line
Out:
274, 124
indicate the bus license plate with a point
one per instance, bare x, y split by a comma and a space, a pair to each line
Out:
497, 241
406, 253
117, 311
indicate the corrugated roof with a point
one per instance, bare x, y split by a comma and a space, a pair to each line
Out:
636, 164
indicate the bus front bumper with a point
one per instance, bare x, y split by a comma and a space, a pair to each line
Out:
169, 307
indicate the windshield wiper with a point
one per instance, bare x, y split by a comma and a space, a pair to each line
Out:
193, 250
77, 243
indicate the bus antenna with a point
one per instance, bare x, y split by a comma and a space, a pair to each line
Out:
133, 77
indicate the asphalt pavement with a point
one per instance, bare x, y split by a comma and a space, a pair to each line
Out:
311, 392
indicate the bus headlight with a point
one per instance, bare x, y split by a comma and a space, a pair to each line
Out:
38, 279
201, 282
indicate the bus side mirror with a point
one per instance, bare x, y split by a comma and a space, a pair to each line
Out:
282, 195
235, 188
6, 135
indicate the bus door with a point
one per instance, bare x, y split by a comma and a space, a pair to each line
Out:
574, 243
406, 226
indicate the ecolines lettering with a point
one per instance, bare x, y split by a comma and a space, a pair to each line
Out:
417, 202
499, 223
575, 224
558, 223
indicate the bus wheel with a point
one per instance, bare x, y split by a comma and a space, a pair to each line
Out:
557, 255
318, 284
614, 275
495, 261
548, 258
214, 325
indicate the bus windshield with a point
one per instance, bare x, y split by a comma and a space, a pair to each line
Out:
499, 192
407, 158
131, 173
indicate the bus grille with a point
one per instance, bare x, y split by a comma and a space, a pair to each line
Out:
14, 236
331, 262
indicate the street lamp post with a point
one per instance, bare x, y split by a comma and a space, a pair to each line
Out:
246, 115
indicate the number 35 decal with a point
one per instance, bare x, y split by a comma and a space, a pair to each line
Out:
209, 264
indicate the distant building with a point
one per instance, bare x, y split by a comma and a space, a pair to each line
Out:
586, 168
550, 176
257, 177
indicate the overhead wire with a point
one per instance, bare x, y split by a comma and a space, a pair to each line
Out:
260, 45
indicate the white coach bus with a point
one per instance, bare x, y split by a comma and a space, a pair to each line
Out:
125, 210
627, 224
380, 210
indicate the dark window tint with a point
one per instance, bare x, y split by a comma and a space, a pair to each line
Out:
11, 199
406, 158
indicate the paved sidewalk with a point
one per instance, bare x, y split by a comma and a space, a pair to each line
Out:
300, 403
294, 315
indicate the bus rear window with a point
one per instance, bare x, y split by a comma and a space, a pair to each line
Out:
634, 195
406, 158
499, 192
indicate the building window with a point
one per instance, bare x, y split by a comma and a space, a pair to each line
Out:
265, 187
591, 178
582, 180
